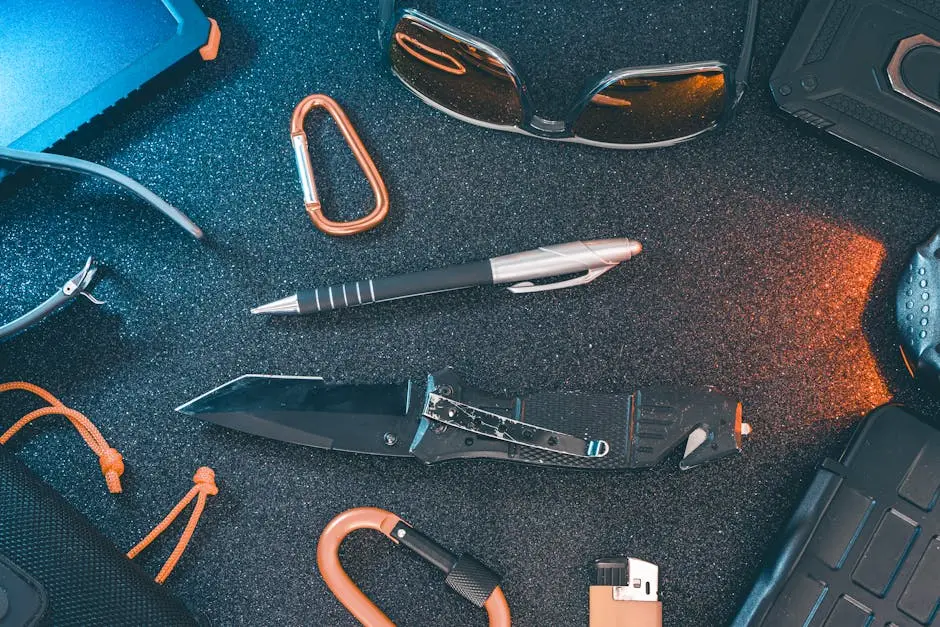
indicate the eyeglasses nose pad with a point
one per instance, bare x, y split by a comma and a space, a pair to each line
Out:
305, 168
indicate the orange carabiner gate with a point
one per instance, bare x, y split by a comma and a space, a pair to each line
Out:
305, 169
468, 577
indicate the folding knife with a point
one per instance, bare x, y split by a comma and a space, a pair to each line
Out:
449, 420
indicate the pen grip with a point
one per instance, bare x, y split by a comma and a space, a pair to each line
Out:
389, 288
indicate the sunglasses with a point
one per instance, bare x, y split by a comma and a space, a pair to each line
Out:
637, 107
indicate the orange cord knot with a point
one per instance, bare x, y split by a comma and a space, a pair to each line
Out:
204, 488
112, 467
112, 464
205, 480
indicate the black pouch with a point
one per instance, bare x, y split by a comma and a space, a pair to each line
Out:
57, 569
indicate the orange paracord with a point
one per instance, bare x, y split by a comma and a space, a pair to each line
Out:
112, 466
205, 487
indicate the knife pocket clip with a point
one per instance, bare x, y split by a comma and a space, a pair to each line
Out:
488, 424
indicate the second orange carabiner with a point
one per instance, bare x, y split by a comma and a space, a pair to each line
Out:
465, 575
305, 169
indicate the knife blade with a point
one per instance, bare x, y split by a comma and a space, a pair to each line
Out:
371, 419
449, 420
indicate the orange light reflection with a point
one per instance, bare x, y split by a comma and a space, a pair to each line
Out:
818, 303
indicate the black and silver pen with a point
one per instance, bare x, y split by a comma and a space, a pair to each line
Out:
594, 257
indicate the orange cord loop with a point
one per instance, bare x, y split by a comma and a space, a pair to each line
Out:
204, 487
29, 387
112, 464
112, 467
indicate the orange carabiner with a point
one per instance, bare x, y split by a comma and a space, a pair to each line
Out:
305, 169
464, 574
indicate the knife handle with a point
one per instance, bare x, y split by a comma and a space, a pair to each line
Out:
641, 428
591, 416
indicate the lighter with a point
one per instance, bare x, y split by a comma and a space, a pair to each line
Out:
625, 593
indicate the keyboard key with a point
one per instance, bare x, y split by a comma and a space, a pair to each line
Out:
840, 526
921, 485
849, 612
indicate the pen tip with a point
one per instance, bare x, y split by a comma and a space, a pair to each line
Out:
287, 305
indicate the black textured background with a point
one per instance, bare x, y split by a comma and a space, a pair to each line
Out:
768, 271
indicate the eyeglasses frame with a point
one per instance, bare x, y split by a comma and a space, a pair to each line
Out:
563, 130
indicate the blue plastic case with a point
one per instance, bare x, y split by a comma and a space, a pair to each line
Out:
63, 62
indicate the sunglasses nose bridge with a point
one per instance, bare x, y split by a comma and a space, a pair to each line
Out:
547, 128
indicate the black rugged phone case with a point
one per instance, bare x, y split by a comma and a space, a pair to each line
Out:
833, 75
57, 569
863, 546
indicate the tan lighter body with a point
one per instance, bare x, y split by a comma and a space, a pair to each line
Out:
625, 593
607, 612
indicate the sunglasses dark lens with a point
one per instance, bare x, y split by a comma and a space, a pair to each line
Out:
648, 109
455, 74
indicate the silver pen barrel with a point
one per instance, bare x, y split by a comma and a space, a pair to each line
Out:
595, 257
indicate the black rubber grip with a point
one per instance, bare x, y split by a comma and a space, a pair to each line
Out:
641, 429
389, 288
472, 580
336, 297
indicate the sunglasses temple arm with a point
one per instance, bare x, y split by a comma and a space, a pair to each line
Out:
747, 51
386, 13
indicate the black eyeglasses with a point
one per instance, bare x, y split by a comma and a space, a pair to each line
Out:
638, 107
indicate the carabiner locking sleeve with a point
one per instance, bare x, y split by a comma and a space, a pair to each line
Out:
305, 169
468, 577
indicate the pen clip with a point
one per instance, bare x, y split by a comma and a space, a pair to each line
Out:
526, 287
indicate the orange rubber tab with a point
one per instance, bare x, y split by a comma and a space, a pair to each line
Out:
305, 168
211, 48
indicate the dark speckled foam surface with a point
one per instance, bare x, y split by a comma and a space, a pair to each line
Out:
768, 271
